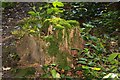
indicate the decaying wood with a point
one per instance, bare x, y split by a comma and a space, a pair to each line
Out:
74, 41
31, 50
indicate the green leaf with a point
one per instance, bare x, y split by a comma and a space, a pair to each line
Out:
32, 13
32, 31
67, 68
58, 26
40, 8
114, 61
53, 64
93, 38
49, 11
34, 8
64, 23
89, 56
118, 55
53, 72
73, 22
88, 25
85, 67
86, 50
97, 69
91, 63
82, 62
59, 4
56, 10
112, 56
83, 59
37, 13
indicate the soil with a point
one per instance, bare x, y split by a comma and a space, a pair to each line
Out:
10, 16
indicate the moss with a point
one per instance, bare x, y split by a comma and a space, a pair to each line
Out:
58, 36
53, 48
62, 59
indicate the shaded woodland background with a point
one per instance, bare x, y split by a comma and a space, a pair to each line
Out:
61, 40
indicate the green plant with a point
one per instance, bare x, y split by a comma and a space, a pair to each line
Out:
50, 71
63, 35
113, 58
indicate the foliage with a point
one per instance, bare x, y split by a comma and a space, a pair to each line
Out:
53, 29
58, 25
104, 16
112, 57
8, 4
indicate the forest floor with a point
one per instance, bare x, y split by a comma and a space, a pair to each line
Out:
10, 17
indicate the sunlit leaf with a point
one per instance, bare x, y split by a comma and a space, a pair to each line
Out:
53, 72
40, 8
49, 11
55, 9
53, 64
85, 67
97, 69
59, 4
58, 26
32, 13
32, 31
64, 23
73, 22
